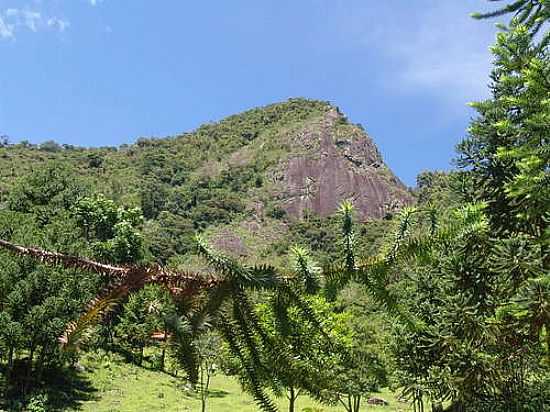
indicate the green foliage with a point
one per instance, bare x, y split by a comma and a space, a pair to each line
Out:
507, 148
146, 312
462, 347
37, 305
46, 192
210, 358
476, 280
154, 197
304, 356
533, 14
95, 160
50, 146
110, 229
437, 189
319, 234
169, 235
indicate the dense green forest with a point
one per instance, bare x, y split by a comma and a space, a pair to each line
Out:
111, 262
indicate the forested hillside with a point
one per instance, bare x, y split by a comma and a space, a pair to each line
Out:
266, 168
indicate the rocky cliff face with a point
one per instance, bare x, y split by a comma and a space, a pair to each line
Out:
337, 161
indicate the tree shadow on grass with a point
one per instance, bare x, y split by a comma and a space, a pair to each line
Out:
217, 393
193, 394
146, 362
58, 389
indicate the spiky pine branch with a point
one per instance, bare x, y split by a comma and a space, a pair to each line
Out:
222, 300
533, 14
122, 280
246, 337
528, 12
66, 261
306, 269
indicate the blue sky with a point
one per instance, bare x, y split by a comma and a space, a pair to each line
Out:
105, 72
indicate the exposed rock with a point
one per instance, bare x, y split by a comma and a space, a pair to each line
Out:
228, 242
333, 168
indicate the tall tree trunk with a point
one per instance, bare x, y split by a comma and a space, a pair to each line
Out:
10, 357
163, 355
291, 399
356, 403
203, 389
141, 355
40, 362
28, 376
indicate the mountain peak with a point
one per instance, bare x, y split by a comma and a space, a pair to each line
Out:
337, 160
249, 175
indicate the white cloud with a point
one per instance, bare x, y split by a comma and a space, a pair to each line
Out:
31, 19
59, 24
13, 20
26, 18
436, 49
6, 30
445, 53
95, 2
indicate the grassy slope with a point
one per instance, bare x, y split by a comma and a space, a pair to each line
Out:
122, 387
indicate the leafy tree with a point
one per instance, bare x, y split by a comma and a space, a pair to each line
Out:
169, 235
438, 189
95, 160
50, 146
46, 192
144, 314
457, 344
111, 230
154, 196
11, 337
475, 284
37, 304
362, 366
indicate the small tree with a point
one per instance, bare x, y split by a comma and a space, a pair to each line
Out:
209, 352
358, 368
315, 355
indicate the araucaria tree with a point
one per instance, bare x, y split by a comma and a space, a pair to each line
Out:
477, 284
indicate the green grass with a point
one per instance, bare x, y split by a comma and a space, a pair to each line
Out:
118, 386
